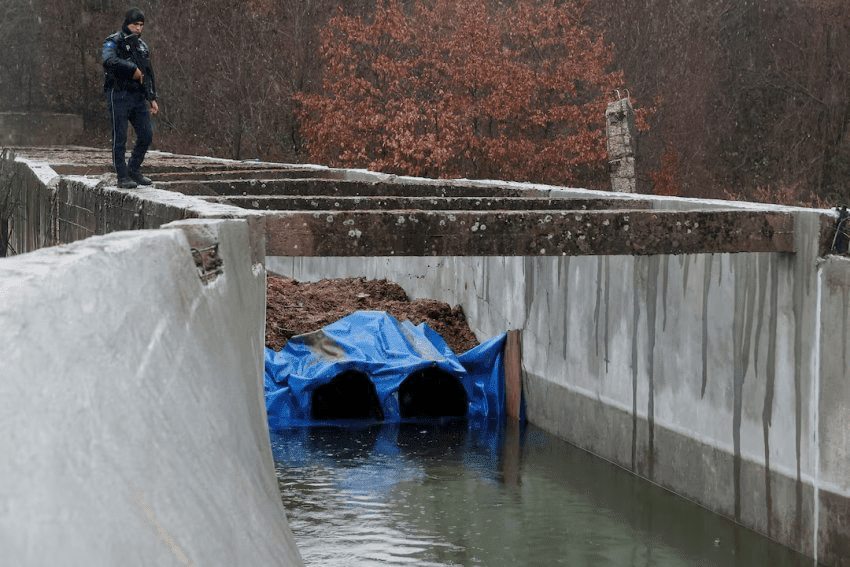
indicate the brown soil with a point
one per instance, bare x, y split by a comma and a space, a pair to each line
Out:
293, 308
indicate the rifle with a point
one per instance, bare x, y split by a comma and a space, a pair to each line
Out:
143, 66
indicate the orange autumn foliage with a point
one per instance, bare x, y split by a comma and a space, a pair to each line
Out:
463, 88
665, 180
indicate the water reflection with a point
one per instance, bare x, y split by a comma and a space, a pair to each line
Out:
454, 492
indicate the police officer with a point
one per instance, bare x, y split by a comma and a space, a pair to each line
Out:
129, 87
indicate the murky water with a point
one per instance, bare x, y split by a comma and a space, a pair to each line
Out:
482, 494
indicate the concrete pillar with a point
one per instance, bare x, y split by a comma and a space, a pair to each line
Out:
622, 145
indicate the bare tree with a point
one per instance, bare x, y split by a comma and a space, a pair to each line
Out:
19, 56
71, 76
229, 72
752, 94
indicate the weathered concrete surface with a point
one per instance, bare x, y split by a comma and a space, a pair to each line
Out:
45, 209
131, 397
340, 188
435, 203
27, 206
699, 372
712, 370
460, 218
526, 233
833, 395
621, 136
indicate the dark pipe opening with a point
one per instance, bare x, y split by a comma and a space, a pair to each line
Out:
350, 395
432, 393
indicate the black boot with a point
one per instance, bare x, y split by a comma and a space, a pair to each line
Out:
126, 183
136, 176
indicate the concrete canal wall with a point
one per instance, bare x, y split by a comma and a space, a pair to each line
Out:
134, 428
721, 376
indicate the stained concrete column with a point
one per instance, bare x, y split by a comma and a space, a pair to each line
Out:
622, 145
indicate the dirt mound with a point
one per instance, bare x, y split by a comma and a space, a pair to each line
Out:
293, 308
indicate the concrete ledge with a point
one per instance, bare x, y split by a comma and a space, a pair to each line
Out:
88, 207
342, 188
182, 173
526, 233
386, 204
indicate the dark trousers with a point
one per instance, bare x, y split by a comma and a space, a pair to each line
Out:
129, 107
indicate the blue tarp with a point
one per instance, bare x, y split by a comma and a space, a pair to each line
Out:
387, 351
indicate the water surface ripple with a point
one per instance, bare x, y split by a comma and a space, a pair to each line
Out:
458, 493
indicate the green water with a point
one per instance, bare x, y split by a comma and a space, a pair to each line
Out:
482, 494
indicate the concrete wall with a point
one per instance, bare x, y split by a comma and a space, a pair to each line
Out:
131, 402
27, 207
833, 409
718, 376
45, 209
702, 373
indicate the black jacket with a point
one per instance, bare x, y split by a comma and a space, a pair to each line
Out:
123, 53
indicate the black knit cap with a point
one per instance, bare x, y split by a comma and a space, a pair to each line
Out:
133, 15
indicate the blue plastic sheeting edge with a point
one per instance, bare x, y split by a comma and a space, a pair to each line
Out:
387, 351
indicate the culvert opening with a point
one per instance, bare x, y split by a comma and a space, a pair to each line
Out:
349, 395
432, 392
